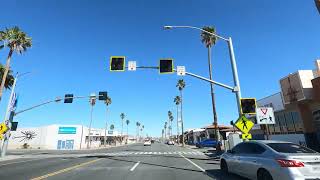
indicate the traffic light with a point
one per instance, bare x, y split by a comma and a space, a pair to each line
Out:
166, 66
117, 63
103, 95
14, 126
248, 105
68, 98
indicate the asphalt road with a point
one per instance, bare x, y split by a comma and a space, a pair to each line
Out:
133, 162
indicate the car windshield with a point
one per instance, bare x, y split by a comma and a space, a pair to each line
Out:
289, 148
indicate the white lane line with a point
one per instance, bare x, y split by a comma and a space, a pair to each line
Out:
135, 165
196, 165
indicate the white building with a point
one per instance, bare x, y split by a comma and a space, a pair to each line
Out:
58, 137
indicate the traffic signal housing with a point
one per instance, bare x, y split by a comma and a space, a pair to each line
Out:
166, 66
117, 63
103, 95
248, 106
68, 98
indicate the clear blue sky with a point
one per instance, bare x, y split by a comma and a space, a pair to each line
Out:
73, 40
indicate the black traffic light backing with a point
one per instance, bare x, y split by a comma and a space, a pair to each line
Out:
117, 63
103, 95
166, 66
14, 126
68, 98
248, 106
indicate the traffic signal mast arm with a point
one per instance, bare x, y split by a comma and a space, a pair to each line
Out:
48, 102
233, 89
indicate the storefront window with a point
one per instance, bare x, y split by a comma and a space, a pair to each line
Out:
297, 122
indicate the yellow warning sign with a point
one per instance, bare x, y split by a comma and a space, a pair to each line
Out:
244, 124
246, 136
3, 128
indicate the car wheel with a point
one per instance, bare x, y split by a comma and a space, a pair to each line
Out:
264, 175
224, 166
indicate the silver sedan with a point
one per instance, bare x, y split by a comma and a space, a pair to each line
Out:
271, 160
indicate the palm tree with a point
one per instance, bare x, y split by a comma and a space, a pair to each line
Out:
122, 116
177, 101
170, 117
9, 80
162, 132
181, 85
142, 127
165, 130
17, 41
107, 102
127, 122
138, 126
209, 41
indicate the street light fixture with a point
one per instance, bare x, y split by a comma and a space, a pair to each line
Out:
232, 59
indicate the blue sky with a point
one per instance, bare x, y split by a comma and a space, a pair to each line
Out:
73, 41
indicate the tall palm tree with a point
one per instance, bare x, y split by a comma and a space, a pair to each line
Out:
142, 128
122, 116
209, 41
111, 127
165, 130
9, 80
181, 85
170, 122
138, 126
177, 101
107, 102
127, 122
17, 41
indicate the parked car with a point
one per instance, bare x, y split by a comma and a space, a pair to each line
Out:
170, 143
206, 143
147, 142
271, 160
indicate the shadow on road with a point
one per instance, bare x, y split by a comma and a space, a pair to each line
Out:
217, 174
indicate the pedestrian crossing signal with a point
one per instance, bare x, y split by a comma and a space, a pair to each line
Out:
248, 106
117, 63
166, 66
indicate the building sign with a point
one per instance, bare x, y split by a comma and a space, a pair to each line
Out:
67, 130
110, 132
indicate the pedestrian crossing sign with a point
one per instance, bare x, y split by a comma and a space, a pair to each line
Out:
3, 128
244, 124
246, 136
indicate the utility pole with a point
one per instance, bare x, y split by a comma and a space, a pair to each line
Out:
8, 120
92, 103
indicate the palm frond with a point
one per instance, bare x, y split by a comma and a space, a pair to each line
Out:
207, 38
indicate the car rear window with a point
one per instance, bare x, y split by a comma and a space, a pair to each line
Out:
289, 148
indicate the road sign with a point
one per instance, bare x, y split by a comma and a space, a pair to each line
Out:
181, 70
246, 136
132, 65
265, 115
244, 124
3, 128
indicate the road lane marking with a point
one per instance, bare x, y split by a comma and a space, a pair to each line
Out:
64, 170
196, 165
134, 166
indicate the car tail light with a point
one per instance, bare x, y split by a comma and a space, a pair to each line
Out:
290, 163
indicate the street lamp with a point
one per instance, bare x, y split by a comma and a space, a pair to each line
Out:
236, 82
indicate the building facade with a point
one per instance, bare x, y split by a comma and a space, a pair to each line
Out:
60, 137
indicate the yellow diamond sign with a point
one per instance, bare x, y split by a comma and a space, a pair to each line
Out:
3, 128
244, 124
246, 136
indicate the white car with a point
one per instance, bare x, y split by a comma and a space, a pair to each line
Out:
147, 143
170, 143
271, 160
